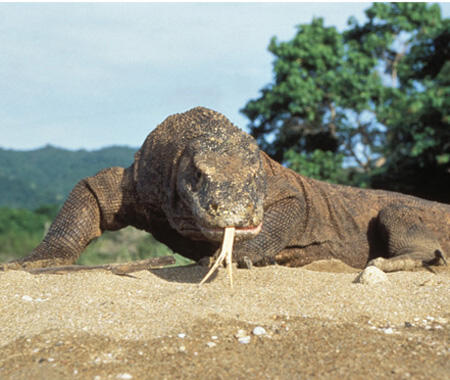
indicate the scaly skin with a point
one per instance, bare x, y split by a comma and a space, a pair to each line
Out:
196, 173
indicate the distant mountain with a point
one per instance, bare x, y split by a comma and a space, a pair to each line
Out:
32, 178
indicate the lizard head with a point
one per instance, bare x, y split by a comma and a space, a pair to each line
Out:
221, 179
204, 174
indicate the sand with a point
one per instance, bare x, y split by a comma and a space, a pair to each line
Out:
161, 324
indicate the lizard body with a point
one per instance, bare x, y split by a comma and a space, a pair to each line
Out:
197, 173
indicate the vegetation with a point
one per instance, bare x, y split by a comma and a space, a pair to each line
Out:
128, 244
368, 106
22, 230
29, 179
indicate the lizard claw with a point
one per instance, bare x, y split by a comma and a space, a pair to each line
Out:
440, 255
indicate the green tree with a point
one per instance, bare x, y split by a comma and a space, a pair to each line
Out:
318, 164
321, 99
376, 95
412, 45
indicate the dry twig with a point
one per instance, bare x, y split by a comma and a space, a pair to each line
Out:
118, 268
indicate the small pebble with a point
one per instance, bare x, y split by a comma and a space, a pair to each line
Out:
388, 330
214, 337
371, 275
258, 331
244, 339
27, 298
124, 376
181, 335
211, 344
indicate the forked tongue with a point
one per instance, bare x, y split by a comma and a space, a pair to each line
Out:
226, 252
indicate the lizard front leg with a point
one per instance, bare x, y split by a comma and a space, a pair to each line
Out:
94, 205
282, 220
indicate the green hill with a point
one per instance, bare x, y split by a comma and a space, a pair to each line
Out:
33, 184
29, 179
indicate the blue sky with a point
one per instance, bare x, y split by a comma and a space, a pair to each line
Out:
95, 75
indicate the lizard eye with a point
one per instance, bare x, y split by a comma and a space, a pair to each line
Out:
197, 179
197, 175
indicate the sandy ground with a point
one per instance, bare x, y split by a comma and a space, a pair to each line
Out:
162, 325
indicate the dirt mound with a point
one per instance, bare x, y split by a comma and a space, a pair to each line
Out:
162, 324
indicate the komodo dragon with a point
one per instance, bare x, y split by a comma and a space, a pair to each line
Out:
197, 173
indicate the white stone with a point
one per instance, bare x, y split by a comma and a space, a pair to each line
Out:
27, 298
371, 275
124, 376
258, 331
241, 333
244, 339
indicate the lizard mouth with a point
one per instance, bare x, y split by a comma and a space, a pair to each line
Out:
241, 233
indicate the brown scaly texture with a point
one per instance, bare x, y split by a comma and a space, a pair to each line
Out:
197, 173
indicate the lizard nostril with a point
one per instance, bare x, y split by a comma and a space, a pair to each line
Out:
214, 206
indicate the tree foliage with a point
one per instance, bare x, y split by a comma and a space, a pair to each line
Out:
318, 164
21, 229
416, 106
375, 97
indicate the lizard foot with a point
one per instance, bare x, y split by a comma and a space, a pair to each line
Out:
408, 261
